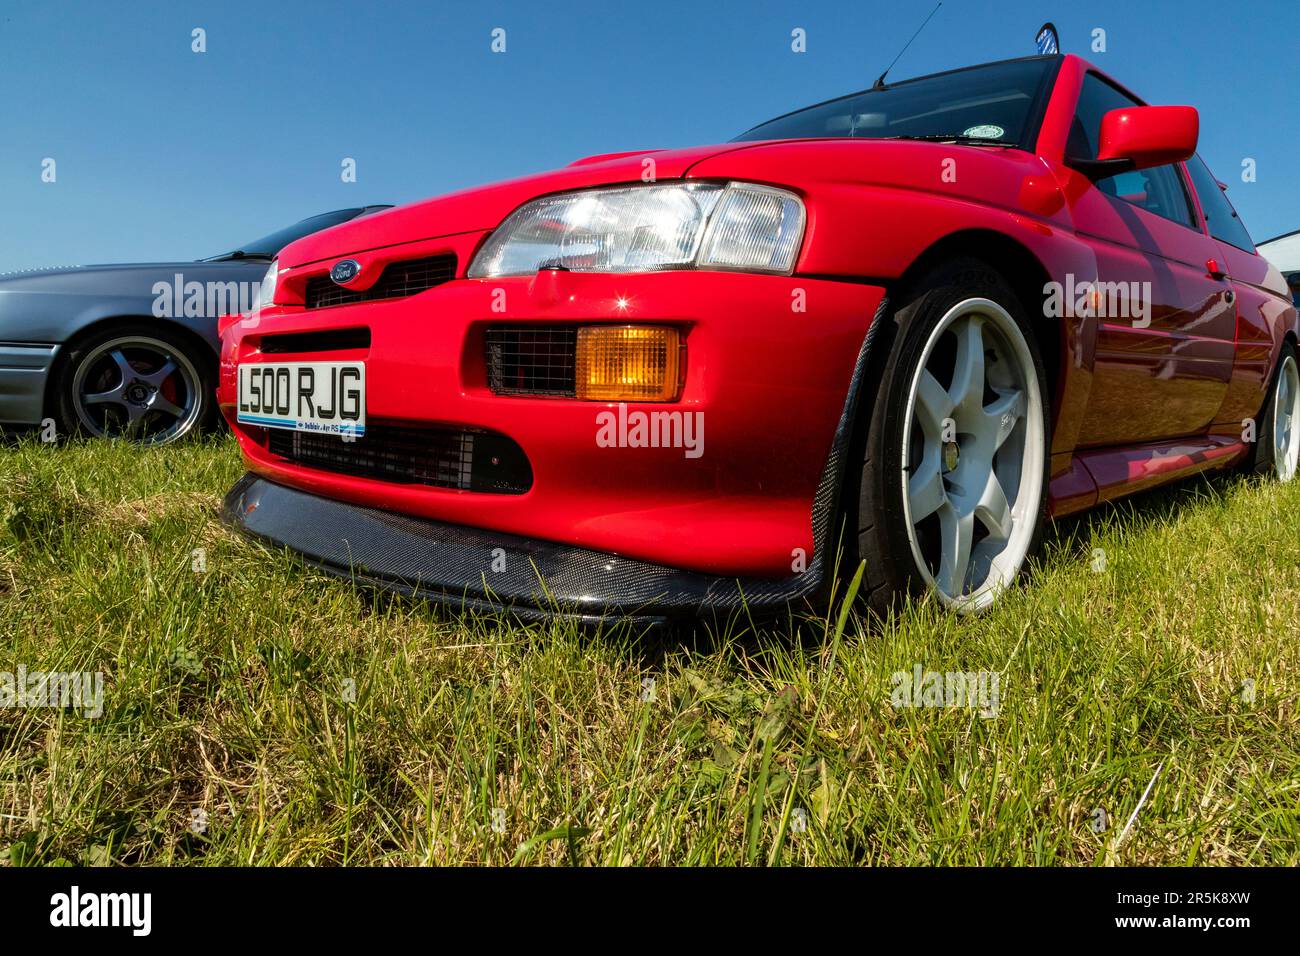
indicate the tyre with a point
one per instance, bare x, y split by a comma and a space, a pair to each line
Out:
1277, 439
141, 383
952, 492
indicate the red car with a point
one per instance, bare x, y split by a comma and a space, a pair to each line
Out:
905, 327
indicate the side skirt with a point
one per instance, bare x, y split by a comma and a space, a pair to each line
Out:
1116, 472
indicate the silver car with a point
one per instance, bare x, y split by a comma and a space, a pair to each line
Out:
128, 350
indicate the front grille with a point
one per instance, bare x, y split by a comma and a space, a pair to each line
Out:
399, 279
532, 359
439, 456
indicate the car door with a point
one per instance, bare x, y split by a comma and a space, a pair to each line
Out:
1260, 300
1164, 324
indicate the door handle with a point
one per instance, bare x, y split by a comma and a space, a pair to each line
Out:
1213, 270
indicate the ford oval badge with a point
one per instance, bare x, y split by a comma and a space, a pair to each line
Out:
345, 271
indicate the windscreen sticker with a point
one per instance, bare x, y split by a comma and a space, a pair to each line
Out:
985, 132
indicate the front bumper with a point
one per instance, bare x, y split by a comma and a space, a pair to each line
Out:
769, 365
24, 371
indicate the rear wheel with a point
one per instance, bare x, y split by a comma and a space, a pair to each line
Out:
954, 474
1276, 451
143, 384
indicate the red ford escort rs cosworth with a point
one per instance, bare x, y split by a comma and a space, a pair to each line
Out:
905, 327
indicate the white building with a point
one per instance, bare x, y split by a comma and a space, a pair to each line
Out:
1284, 252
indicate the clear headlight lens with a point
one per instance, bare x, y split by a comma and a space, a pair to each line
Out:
267, 294
735, 226
754, 229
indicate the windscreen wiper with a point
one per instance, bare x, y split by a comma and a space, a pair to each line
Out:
959, 138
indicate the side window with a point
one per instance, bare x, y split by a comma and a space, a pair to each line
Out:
1225, 225
1159, 191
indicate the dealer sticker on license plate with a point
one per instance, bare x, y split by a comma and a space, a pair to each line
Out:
326, 397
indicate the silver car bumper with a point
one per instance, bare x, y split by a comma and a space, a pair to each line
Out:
24, 370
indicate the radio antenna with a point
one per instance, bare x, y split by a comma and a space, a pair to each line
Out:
880, 82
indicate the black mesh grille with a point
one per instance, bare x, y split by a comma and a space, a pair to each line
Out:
532, 359
398, 279
444, 457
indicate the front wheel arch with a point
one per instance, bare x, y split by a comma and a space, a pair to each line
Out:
1022, 270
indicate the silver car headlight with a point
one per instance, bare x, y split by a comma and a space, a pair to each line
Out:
267, 294
733, 226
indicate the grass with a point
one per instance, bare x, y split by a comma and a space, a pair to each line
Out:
296, 720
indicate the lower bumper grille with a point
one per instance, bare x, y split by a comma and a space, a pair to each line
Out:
441, 457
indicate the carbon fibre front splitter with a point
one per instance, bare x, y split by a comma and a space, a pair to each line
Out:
480, 570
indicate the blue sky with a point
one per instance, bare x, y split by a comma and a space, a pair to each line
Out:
165, 153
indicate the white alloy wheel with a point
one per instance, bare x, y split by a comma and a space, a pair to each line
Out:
1286, 416
973, 456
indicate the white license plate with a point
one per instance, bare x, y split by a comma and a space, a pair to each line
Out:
328, 397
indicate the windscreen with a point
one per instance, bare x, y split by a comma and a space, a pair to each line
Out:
268, 246
995, 101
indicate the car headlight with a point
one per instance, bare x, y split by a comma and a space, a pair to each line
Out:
733, 226
267, 294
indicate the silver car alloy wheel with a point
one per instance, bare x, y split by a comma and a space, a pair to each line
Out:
138, 388
974, 447
1286, 416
